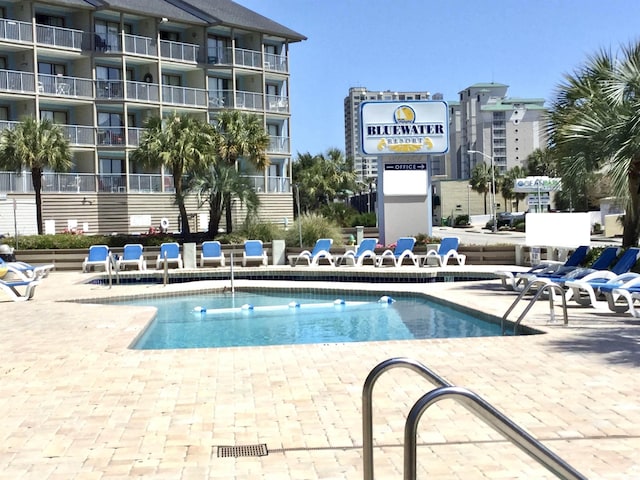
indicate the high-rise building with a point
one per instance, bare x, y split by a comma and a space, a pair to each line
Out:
100, 68
503, 128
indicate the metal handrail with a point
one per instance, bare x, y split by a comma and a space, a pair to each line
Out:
492, 417
551, 287
165, 276
233, 288
112, 267
367, 409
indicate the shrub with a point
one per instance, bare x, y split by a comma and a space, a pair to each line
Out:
266, 231
313, 227
67, 241
340, 213
424, 239
461, 220
367, 219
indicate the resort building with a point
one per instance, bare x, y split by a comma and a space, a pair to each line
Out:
100, 68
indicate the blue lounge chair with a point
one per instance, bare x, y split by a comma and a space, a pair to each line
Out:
366, 250
10, 288
24, 271
403, 250
312, 258
211, 253
98, 257
515, 280
447, 250
254, 252
132, 254
585, 289
170, 251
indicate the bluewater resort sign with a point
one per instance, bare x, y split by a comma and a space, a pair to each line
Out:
411, 127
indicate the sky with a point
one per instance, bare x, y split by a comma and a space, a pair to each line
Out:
446, 46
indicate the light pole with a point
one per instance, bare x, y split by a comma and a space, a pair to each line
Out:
493, 188
297, 187
469, 202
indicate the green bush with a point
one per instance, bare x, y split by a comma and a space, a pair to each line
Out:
461, 220
67, 241
339, 213
313, 227
267, 231
367, 219
424, 239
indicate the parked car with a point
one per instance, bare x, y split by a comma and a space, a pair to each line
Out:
509, 219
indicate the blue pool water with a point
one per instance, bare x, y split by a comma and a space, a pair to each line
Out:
258, 319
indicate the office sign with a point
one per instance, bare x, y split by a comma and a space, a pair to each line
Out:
537, 184
400, 128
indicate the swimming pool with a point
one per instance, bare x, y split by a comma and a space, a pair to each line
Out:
277, 318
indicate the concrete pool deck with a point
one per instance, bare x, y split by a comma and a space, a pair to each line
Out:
77, 403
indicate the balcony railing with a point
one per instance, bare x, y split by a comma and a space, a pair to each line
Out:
6, 125
276, 103
134, 134
178, 51
138, 45
248, 58
15, 31
67, 183
219, 56
148, 183
112, 183
275, 63
143, 91
110, 89
279, 144
59, 37
110, 136
219, 98
262, 184
249, 100
12, 81
80, 135
192, 97
61, 85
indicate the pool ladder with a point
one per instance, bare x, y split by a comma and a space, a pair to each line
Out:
112, 268
474, 403
550, 288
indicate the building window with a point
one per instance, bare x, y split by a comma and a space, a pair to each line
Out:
51, 68
217, 48
50, 20
170, 36
56, 116
173, 80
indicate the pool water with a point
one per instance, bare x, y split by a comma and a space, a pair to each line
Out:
259, 319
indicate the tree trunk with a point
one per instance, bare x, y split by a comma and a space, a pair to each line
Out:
215, 214
485, 203
631, 221
227, 213
184, 219
36, 180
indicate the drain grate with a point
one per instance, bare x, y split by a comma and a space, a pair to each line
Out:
259, 450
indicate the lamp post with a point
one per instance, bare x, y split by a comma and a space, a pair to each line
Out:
297, 187
493, 188
469, 202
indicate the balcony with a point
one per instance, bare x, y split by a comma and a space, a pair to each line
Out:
137, 45
67, 183
110, 136
190, 97
63, 86
219, 56
275, 63
278, 104
248, 58
14, 31
148, 183
13, 81
134, 134
80, 135
110, 89
143, 91
179, 52
279, 144
6, 125
262, 184
249, 100
219, 98
59, 37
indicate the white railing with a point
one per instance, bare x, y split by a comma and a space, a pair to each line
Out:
80, 135
61, 85
67, 183
7, 124
248, 58
148, 182
139, 45
13, 81
59, 37
182, 52
249, 100
192, 97
276, 103
134, 134
110, 136
15, 31
262, 184
219, 56
111, 89
143, 91
219, 98
279, 144
276, 63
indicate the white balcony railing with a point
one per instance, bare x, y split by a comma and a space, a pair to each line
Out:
12, 81
219, 55
67, 182
59, 37
134, 134
219, 98
110, 89
148, 183
79, 135
279, 144
192, 97
275, 63
143, 91
64, 86
249, 100
178, 51
110, 136
248, 58
15, 31
6, 124
278, 104
262, 184
138, 45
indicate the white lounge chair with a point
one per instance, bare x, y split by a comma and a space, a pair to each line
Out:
448, 249
253, 252
402, 251
312, 258
212, 253
132, 255
98, 257
10, 288
366, 250
170, 251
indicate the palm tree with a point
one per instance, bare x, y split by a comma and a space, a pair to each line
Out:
181, 143
595, 124
37, 146
542, 162
240, 135
480, 181
508, 182
220, 181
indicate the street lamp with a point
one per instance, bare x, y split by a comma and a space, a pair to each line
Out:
469, 201
493, 188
